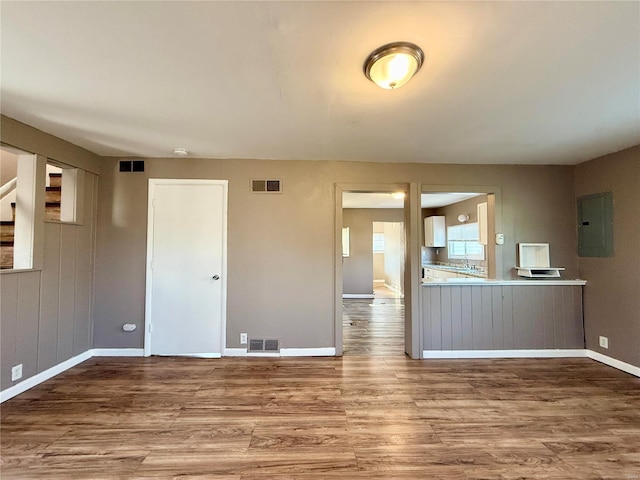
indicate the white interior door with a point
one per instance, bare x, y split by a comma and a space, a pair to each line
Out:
186, 267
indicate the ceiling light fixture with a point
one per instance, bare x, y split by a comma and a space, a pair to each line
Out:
393, 65
183, 152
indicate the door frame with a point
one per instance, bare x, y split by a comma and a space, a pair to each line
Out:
412, 276
153, 183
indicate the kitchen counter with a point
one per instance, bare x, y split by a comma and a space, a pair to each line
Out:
472, 272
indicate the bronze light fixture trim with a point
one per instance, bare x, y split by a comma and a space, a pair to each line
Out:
392, 65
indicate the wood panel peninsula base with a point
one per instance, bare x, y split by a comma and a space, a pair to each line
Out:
478, 318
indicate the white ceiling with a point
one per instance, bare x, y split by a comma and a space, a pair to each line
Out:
503, 82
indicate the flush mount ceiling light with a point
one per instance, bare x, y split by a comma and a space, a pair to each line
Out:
393, 65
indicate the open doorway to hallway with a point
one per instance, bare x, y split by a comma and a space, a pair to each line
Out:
373, 310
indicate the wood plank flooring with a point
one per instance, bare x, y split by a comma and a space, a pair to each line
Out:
373, 326
326, 418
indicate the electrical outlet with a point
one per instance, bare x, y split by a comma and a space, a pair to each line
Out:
243, 339
604, 342
16, 373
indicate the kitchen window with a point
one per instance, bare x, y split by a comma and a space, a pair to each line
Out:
463, 242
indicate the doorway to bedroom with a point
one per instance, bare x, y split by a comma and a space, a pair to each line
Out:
373, 263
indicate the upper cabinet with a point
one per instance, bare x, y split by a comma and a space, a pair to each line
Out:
435, 232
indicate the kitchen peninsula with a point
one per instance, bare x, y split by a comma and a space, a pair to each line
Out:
465, 317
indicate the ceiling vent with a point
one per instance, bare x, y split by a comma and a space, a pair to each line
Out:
266, 186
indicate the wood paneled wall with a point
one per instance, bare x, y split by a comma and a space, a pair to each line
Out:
46, 314
502, 317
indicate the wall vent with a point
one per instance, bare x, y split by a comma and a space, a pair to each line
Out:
266, 186
259, 345
131, 166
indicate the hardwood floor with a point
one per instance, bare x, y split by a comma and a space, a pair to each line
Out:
326, 418
374, 326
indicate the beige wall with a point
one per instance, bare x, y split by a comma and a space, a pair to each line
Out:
357, 269
281, 247
46, 313
612, 294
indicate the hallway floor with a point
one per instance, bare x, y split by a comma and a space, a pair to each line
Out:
374, 326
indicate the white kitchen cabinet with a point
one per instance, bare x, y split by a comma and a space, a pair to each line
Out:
435, 232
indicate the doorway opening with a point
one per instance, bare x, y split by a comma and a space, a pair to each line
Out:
373, 270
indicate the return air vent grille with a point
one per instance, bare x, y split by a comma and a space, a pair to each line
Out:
266, 186
259, 345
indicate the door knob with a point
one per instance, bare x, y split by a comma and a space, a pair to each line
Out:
216, 277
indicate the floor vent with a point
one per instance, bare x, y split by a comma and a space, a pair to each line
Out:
259, 345
266, 186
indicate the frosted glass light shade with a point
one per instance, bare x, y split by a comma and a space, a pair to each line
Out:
393, 65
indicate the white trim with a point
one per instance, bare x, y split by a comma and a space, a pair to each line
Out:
149, 255
235, 352
358, 295
535, 353
43, 376
612, 362
308, 352
263, 354
190, 355
117, 352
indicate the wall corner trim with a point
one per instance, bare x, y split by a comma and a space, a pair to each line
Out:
612, 362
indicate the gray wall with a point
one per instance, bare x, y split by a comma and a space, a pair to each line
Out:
46, 314
281, 247
612, 294
357, 269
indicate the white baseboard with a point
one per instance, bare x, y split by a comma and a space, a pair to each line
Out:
235, 352
536, 353
308, 352
612, 362
358, 295
284, 352
117, 352
43, 376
